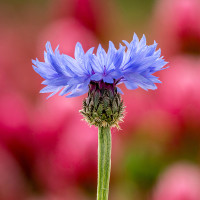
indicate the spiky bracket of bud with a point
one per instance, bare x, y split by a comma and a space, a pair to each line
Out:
103, 107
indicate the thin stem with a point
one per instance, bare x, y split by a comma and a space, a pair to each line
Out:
104, 162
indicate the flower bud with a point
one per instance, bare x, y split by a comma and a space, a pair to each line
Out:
103, 107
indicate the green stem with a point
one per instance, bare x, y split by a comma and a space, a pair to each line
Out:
104, 162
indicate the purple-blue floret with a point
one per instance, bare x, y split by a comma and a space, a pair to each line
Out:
133, 64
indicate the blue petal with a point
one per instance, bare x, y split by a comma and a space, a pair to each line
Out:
56, 91
151, 49
55, 61
140, 80
108, 79
80, 90
155, 79
79, 52
90, 51
126, 43
157, 53
135, 39
101, 54
73, 65
43, 73
146, 63
77, 80
46, 67
86, 65
52, 58
109, 68
158, 65
115, 74
142, 42
97, 77
48, 89
66, 90
130, 85
118, 58
110, 54
96, 66
60, 81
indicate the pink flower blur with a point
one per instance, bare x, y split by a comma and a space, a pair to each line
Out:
179, 94
179, 182
12, 182
177, 25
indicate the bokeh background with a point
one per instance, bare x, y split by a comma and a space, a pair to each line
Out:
48, 153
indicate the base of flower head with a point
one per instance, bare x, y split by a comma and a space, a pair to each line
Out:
103, 107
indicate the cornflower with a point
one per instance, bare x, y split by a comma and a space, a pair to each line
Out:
99, 75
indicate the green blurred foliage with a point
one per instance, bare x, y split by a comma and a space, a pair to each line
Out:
136, 10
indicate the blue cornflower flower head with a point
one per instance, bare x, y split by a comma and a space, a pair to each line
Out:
99, 74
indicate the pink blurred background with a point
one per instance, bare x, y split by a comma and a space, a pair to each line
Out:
48, 153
